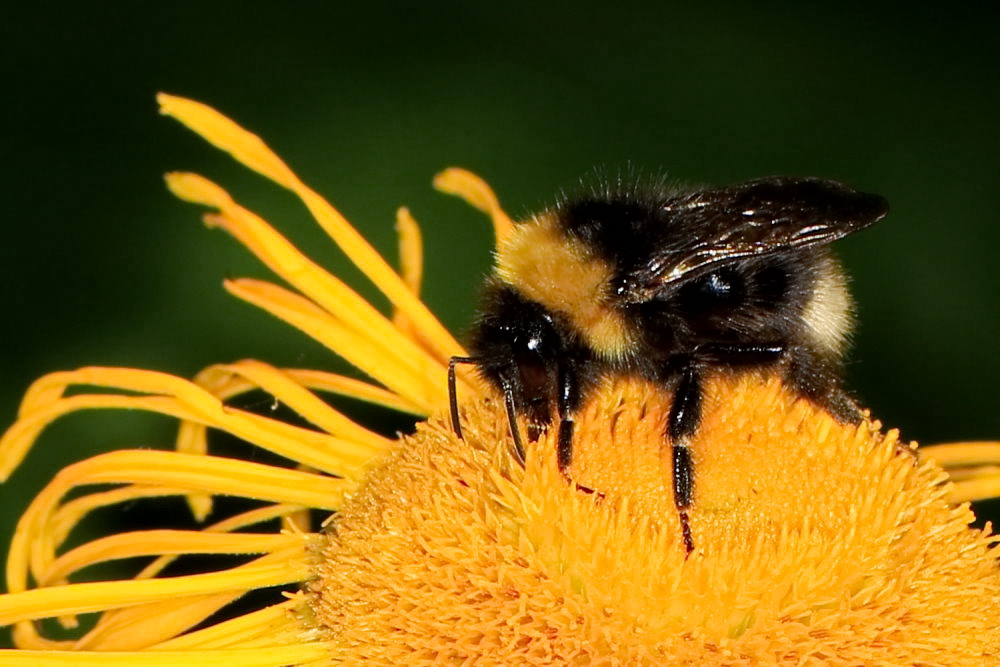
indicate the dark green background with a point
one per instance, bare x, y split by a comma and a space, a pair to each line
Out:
101, 266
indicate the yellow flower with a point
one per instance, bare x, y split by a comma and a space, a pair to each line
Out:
817, 543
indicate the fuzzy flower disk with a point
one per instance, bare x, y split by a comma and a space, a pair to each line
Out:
815, 543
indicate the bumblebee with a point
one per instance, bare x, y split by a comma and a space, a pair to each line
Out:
668, 286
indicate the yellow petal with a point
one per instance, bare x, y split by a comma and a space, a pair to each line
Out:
325, 290
159, 542
475, 191
296, 654
89, 597
223, 133
187, 401
415, 382
251, 151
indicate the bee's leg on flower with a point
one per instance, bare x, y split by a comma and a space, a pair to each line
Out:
508, 399
685, 414
456, 424
515, 432
685, 410
567, 402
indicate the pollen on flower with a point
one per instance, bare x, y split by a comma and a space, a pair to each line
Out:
816, 543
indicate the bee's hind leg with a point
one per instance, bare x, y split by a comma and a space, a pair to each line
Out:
685, 412
685, 415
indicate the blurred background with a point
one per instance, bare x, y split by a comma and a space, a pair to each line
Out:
99, 265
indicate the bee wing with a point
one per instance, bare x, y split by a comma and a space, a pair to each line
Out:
755, 218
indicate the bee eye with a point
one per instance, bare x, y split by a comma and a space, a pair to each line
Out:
720, 290
722, 287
